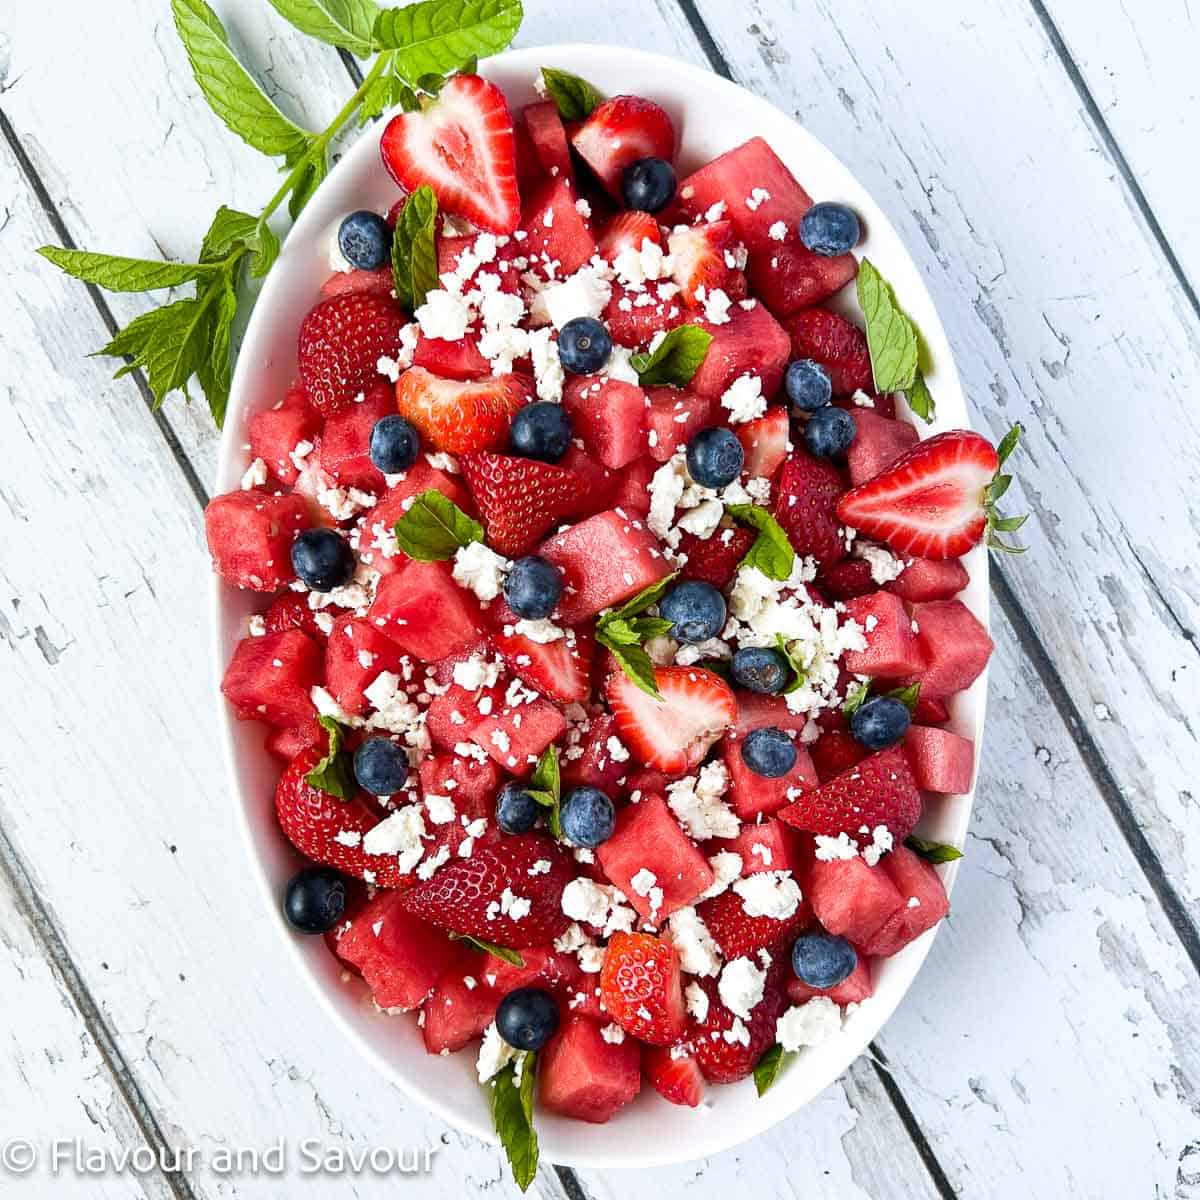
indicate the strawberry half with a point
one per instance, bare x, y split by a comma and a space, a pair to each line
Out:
340, 344
621, 131
714, 559
627, 231
675, 1075
739, 935
880, 790
728, 1048
461, 415
704, 261
483, 896
519, 499
837, 344
640, 987
673, 732
934, 501
462, 145
560, 669
806, 506
834, 752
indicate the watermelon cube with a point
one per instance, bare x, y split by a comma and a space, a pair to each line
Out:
425, 612
270, 678
459, 1009
955, 646
355, 655
583, 1076
346, 440
929, 711
767, 846
515, 737
751, 342
556, 232
274, 433
923, 902
541, 965
753, 795
342, 283
610, 416
892, 648
633, 490
401, 957
286, 741
451, 716
765, 441
459, 359
378, 522
878, 442
926, 579
633, 318
549, 139
471, 784
941, 761
601, 483
756, 711
851, 898
596, 766
250, 537
673, 417
647, 837
605, 560
854, 989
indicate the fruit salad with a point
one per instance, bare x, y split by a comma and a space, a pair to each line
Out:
610, 620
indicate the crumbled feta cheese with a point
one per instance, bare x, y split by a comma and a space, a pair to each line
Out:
399, 833
697, 950
757, 197
476, 672
583, 294
548, 374
769, 894
744, 399
541, 630
778, 231
480, 569
697, 803
444, 315
494, 1054
255, 476
597, 904
439, 808
861, 399
616, 749
881, 842
726, 866
613, 1034
884, 567
257, 626
834, 849
741, 986
697, 1001
808, 1024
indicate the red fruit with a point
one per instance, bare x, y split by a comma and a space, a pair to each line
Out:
837, 344
704, 261
924, 579
880, 790
834, 752
941, 761
675, 1076
754, 796
878, 442
854, 989
765, 441
930, 711
269, 678
355, 654
768, 846
620, 131
609, 415
715, 559
634, 317
806, 506
516, 737
560, 669
426, 613
519, 499
893, 650
956, 647
851, 898
420, 477
290, 610
467, 896
914, 879
640, 987
555, 230
462, 146
632, 496
846, 580
931, 502
471, 784
672, 732
549, 139
596, 766
738, 935
455, 1013
883, 404
672, 418
346, 439
627, 231
312, 820
275, 432
459, 360
581, 1075
756, 711
287, 742
449, 258
727, 1061
751, 342
341, 342
380, 281
250, 537
459, 416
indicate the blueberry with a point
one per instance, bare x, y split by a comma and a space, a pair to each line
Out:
697, 610
315, 899
365, 240
532, 587
715, 457
516, 809
380, 766
527, 1018
829, 432
540, 430
322, 559
584, 345
769, 752
760, 669
648, 184
829, 229
880, 721
587, 816
808, 385
394, 444
821, 960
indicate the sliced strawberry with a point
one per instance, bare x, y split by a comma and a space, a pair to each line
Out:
458, 416
837, 344
475, 896
560, 669
675, 1074
834, 752
519, 499
715, 559
806, 506
880, 790
739, 935
674, 731
726, 1059
640, 987
704, 261
341, 342
627, 231
621, 131
931, 502
462, 146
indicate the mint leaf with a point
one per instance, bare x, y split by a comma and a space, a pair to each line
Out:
623, 632
766, 1070
798, 674
435, 527
436, 36
907, 696
228, 87
891, 336
642, 601
343, 23
119, 274
637, 664
855, 698
545, 786
307, 182
501, 952
1008, 443
920, 400
215, 368
232, 230
771, 553
168, 343
334, 773
934, 852
574, 98
382, 93
414, 249
675, 359
512, 1115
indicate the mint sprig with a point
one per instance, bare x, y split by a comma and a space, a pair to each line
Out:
997, 524
933, 852
767, 1069
511, 1103
335, 772
891, 336
675, 359
435, 527
624, 631
501, 952
414, 249
771, 552
575, 98
545, 789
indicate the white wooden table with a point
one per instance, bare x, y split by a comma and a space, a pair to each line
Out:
1039, 156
